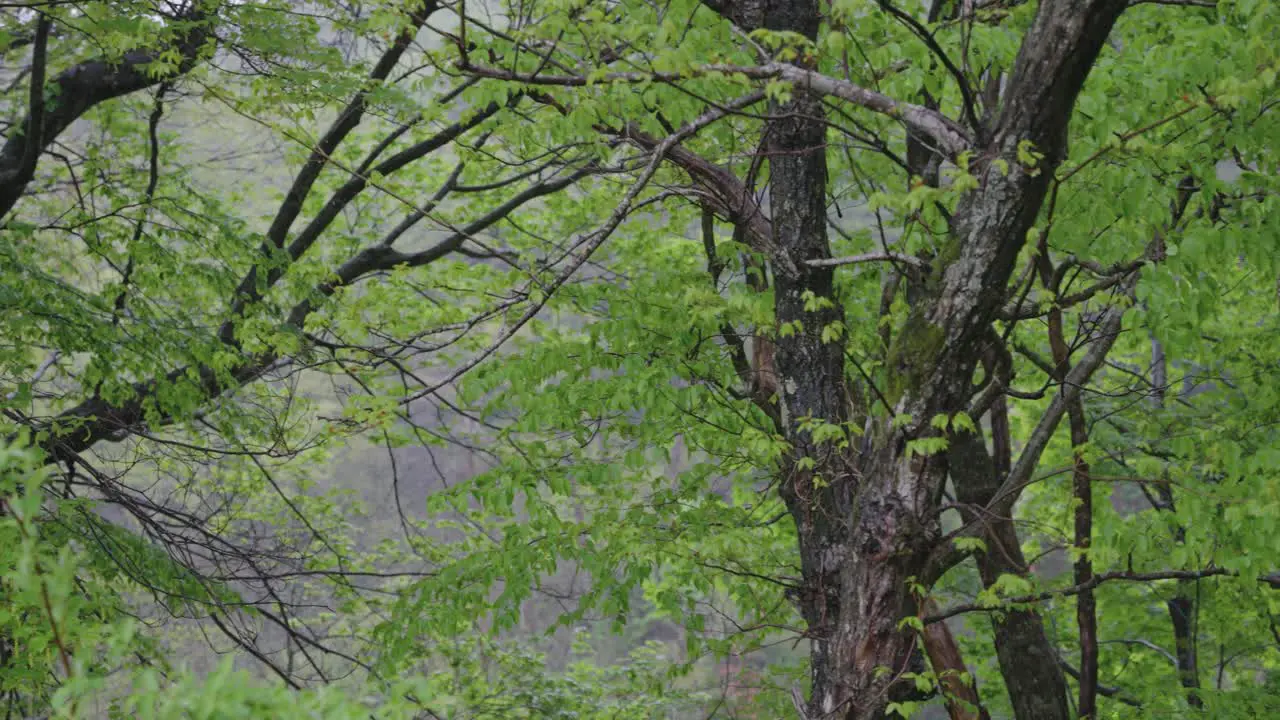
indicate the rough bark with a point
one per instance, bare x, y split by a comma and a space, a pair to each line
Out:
924, 162
935, 353
817, 477
893, 515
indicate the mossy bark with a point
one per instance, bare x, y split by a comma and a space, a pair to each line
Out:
871, 524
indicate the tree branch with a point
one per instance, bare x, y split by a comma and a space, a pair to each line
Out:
869, 258
1072, 385
1115, 693
586, 246
949, 136
347, 120
78, 89
1092, 583
1176, 3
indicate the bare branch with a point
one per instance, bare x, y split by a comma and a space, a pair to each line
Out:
1093, 582
724, 193
38, 375
950, 137
1072, 385
869, 258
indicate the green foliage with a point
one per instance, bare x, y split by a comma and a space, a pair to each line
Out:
618, 442
70, 644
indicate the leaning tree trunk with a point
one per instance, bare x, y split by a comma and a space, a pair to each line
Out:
1028, 660
867, 525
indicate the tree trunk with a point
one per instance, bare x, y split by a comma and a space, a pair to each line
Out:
817, 477
1028, 660
1182, 606
867, 525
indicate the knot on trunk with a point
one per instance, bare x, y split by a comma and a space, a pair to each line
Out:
886, 528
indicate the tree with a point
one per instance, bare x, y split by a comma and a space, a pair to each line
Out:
1042, 227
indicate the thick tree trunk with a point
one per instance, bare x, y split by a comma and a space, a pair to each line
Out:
935, 352
867, 526
817, 477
